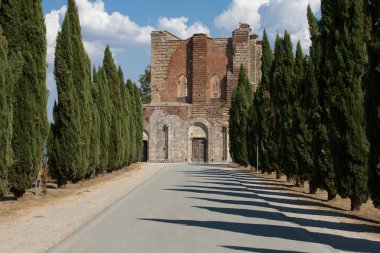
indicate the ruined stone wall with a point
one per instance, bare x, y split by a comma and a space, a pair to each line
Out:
200, 61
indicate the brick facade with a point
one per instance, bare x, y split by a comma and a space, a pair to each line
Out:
192, 85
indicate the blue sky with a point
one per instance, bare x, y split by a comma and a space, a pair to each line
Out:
126, 25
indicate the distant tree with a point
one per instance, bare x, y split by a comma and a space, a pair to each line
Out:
322, 175
239, 119
72, 127
24, 27
6, 115
146, 88
345, 61
372, 103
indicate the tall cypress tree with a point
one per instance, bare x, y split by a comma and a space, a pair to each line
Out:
124, 119
132, 122
282, 92
104, 104
263, 110
373, 104
72, 126
345, 60
300, 133
6, 115
275, 90
322, 175
24, 27
94, 158
139, 123
115, 150
239, 119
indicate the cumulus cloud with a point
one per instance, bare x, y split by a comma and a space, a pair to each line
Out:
245, 11
179, 27
275, 16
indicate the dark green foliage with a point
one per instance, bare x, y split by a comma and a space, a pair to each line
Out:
372, 102
322, 175
300, 134
6, 115
136, 121
72, 127
264, 108
116, 147
239, 119
104, 104
146, 88
24, 28
94, 157
139, 123
282, 91
344, 63
125, 100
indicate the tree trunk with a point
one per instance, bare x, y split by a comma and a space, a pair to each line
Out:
331, 196
355, 204
312, 187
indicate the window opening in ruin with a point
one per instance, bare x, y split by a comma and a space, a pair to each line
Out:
166, 148
182, 86
215, 86
225, 131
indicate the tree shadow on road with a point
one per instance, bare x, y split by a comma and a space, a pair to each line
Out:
258, 250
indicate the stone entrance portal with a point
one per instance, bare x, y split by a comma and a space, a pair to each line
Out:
199, 150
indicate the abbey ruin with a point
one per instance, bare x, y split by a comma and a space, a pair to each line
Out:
192, 85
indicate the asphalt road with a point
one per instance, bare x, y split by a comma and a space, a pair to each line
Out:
203, 208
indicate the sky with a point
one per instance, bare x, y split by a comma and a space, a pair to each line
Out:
126, 26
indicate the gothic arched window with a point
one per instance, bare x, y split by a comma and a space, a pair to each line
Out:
182, 86
215, 86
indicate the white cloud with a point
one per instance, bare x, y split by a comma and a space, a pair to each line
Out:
246, 11
179, 27
275, 16
53, 21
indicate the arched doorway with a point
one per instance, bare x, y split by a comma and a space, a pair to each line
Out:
145, 154
199, 142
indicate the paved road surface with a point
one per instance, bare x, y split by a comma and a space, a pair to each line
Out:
205, 209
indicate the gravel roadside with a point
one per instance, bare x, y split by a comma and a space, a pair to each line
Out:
43, 227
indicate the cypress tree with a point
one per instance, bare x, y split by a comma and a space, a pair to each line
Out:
115, 149
239, 119
322, 175
372, 100
282, 91
95, 127
72, 126
263, 109
132, 122
300, 133
6, 115
275, 125
24, 28
124, 119
104, 104
139, 124
345, 60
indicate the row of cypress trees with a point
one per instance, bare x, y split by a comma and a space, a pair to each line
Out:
23, 94
308, 116
97, 120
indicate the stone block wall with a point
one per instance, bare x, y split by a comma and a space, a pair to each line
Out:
197, 61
